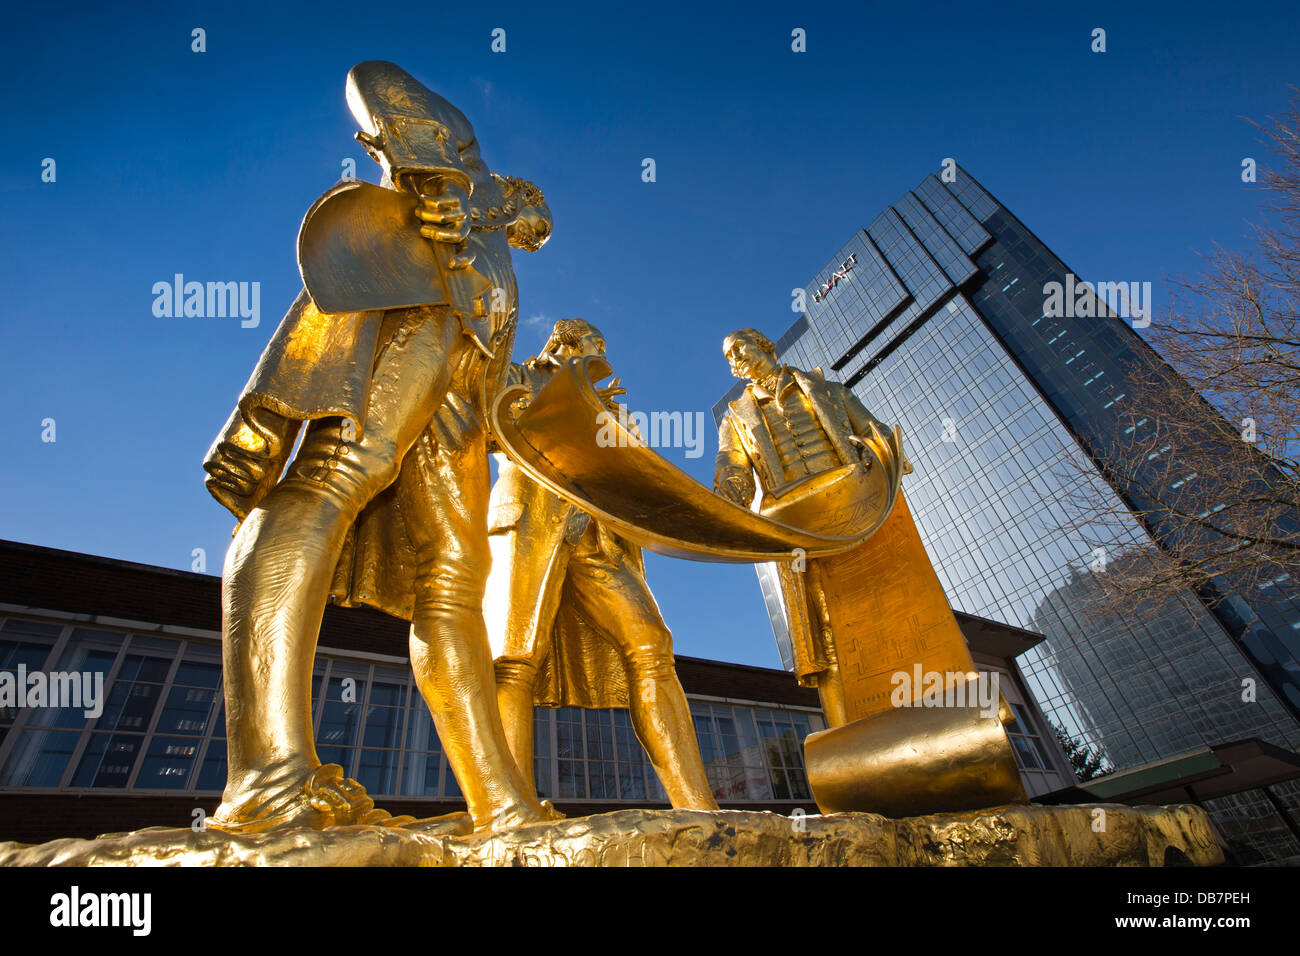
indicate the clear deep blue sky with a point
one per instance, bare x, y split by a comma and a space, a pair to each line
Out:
171, 161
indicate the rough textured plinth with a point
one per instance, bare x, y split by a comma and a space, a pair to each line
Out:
1002, 836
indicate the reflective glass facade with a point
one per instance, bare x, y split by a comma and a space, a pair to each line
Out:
987, 454
162, 729
939, 327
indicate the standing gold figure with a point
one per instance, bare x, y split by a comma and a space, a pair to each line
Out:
788, 426
386, 500
571, 618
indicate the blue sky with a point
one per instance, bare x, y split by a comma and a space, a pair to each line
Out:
1126, 163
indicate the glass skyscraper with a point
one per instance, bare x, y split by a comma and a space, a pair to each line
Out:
934, 316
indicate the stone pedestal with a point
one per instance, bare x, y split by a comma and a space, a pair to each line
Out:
1086, 835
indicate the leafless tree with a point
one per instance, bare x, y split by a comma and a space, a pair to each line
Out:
1212, 468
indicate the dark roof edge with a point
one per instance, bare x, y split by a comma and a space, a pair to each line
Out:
21, 546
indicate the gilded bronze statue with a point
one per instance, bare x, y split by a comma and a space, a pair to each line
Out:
357, 464
787, 427
571, 619
860, 617
385, 502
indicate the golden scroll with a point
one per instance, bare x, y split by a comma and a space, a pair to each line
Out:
889, 615
898, 644
569, 441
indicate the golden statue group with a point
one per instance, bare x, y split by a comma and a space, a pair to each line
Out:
392, 378
357, 462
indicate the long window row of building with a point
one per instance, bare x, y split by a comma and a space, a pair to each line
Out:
161, 728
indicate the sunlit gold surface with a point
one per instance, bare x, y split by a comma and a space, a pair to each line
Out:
887, 613
556, 439
356, 250
1001, 836
385, 501
571, 619
907, 761
858, 617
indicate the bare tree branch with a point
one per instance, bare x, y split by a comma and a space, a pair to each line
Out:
1213, 470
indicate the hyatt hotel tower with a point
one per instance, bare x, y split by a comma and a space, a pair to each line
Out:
934, 316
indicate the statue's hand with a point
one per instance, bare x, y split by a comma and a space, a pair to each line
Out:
864, 448
610, 391
443, 211
239, 470
734, 488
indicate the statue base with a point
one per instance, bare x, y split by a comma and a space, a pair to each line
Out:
1118, 835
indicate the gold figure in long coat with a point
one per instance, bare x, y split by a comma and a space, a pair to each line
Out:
385, 500
570, 616
787, 426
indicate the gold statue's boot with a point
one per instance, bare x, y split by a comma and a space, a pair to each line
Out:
523, 813
325, 798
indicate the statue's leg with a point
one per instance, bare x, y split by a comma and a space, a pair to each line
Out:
830, 683
605, 589
443, 493
830, 691
277, 578
516, 678
522, 597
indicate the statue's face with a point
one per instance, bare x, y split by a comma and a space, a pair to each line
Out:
591, 343
531, 230
748, 359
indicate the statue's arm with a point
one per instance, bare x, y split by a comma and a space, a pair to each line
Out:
733, 472
514, 376
861, 420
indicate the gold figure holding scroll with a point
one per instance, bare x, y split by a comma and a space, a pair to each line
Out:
790, 426
570, 616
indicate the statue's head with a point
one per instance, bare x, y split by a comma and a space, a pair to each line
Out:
572, 338
531, 230
750, 353
533, 224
